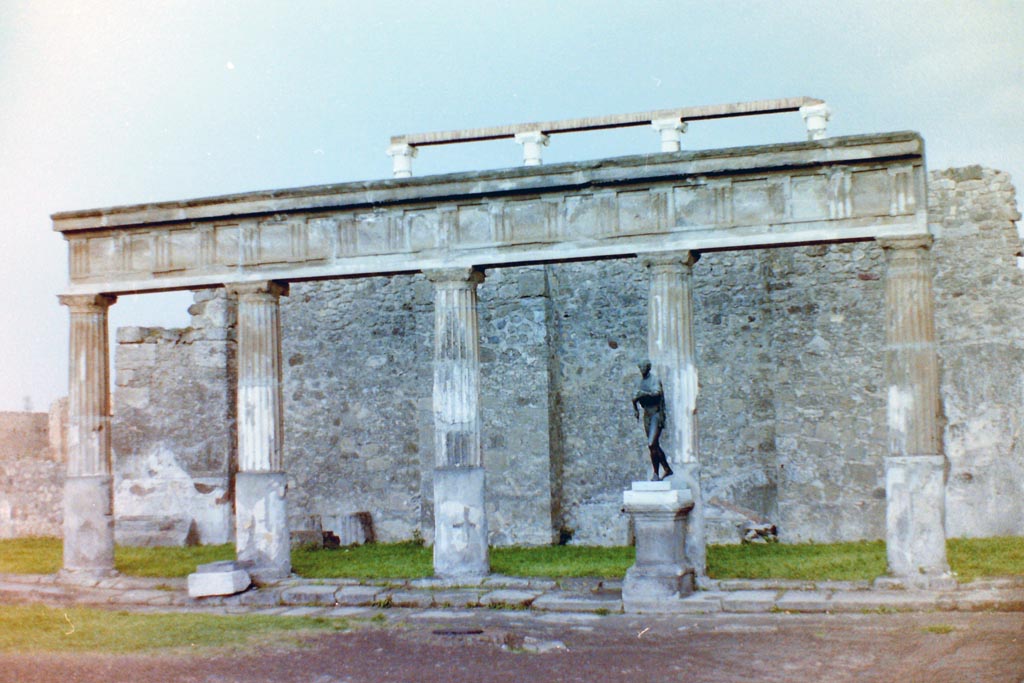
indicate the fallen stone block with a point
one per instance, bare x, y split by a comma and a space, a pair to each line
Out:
218, 578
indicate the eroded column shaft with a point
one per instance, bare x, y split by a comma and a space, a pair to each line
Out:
915, 466
262, 538
672, 350
460, 523
88, 490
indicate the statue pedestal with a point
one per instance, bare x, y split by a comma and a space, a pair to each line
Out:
661, 574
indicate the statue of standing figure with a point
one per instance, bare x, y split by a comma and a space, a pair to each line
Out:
651, 397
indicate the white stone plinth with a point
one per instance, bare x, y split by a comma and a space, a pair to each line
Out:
218, 578
661, 574
915, 540
656, 494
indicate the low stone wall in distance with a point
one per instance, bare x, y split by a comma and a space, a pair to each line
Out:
31, 476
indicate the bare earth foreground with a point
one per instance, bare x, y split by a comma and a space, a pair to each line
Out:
493, 645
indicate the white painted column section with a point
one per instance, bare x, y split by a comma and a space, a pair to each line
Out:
460, 522
261, 521
915, 467
88, 489
671, 131
816, 118
672, 351
532, 143
402, 155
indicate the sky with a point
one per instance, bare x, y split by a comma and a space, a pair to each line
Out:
107, 103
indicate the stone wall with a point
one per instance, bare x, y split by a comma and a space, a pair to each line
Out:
173, 428
791, 409
979, 306
31, 477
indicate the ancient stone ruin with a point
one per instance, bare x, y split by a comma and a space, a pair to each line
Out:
454, 355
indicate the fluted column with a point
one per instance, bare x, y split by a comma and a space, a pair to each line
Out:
88, 490
672, 351
915, 466
460, 523
261, 521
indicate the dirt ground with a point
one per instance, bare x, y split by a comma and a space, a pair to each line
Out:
489, 645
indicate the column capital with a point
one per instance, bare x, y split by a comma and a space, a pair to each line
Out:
87, 302
671, 130
402, 154
906, 243
259, 289
816, 118
672, 260
532, 141
455, 276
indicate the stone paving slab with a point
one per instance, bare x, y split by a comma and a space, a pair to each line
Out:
749, 601
356, 596
884, 601
303, 612
310, 595
701, 602
804, 601
509, 598
457, 598
562, 601
411, 598
981, 600
586, 596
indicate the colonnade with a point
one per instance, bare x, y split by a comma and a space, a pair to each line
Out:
914, 465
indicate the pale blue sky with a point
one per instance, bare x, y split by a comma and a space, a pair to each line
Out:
108, 103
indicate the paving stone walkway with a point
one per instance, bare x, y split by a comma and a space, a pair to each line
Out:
348, 597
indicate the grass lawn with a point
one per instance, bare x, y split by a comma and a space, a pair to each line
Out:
37, 628
969, 558
805, 561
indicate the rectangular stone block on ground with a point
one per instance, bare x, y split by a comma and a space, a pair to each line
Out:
223, 580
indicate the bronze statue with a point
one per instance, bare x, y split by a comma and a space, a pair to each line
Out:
651, 398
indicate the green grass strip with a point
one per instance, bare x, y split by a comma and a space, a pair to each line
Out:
563, 561
973, 558
409, 560
37, 628
804, 561
863, 560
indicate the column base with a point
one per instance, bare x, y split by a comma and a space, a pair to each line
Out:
88, 527
915, 538
262, 542
460, 523
661, 574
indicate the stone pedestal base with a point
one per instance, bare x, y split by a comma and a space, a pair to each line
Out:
661, 574
460, 523
915, 537
262, 541
88, 526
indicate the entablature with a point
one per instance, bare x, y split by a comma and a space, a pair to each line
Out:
833, 190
